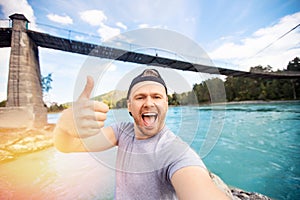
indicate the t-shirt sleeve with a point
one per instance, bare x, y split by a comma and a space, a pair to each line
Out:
116, 128
121, 128
188, 158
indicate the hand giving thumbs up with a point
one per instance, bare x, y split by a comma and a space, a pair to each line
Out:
86, 117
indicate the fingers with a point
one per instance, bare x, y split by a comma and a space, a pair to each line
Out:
86, 93
100, 107
90, 124
95, 106
91, 115
88, 115
87, 132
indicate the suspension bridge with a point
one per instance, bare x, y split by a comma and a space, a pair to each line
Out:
24, 93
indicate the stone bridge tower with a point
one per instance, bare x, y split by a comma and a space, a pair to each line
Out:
25, 106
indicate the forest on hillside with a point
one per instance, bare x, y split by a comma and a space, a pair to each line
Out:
216, 90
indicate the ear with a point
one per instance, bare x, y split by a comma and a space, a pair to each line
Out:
128, 105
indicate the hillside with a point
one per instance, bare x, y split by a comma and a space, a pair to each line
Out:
112, 97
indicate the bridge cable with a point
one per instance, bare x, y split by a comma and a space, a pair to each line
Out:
276, 40
69, 31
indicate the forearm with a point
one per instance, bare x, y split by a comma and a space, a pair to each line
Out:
65, 142
101, 141
194, 183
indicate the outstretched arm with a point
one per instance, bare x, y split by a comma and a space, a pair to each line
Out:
81, 127
194, 183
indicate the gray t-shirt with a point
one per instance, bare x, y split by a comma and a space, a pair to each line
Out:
144, 167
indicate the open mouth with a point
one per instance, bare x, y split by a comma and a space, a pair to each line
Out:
149, 118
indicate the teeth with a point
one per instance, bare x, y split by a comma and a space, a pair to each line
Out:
149, 114
149, 118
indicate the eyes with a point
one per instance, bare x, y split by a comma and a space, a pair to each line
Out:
154, 96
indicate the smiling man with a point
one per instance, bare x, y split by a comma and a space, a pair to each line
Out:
148, 103
152, 163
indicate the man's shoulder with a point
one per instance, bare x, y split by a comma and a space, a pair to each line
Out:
117, 126
122, 128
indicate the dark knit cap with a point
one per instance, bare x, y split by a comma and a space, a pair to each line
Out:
147, 75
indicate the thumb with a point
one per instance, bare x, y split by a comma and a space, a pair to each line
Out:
86, 93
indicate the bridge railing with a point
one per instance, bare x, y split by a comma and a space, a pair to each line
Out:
5, 23
120, 44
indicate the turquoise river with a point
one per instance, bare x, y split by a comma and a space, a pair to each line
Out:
255, 147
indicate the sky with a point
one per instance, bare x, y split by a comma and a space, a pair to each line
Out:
231, 33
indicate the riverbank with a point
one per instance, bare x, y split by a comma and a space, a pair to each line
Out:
263, 102
16, 142
251, 102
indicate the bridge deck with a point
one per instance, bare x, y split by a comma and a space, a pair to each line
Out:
5, 37
53, 42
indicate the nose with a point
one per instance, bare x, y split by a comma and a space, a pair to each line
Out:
149, 102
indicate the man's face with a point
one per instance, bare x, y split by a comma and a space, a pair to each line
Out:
148, 104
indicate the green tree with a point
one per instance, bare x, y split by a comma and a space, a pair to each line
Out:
121, 103
46, 82
260, 68
3, 103
294, 65
56, 108
201, 92
191, 98
46, 86
216, 90
173, 99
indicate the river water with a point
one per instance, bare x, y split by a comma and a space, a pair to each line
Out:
251, 146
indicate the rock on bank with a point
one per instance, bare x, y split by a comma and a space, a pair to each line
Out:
15, 142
